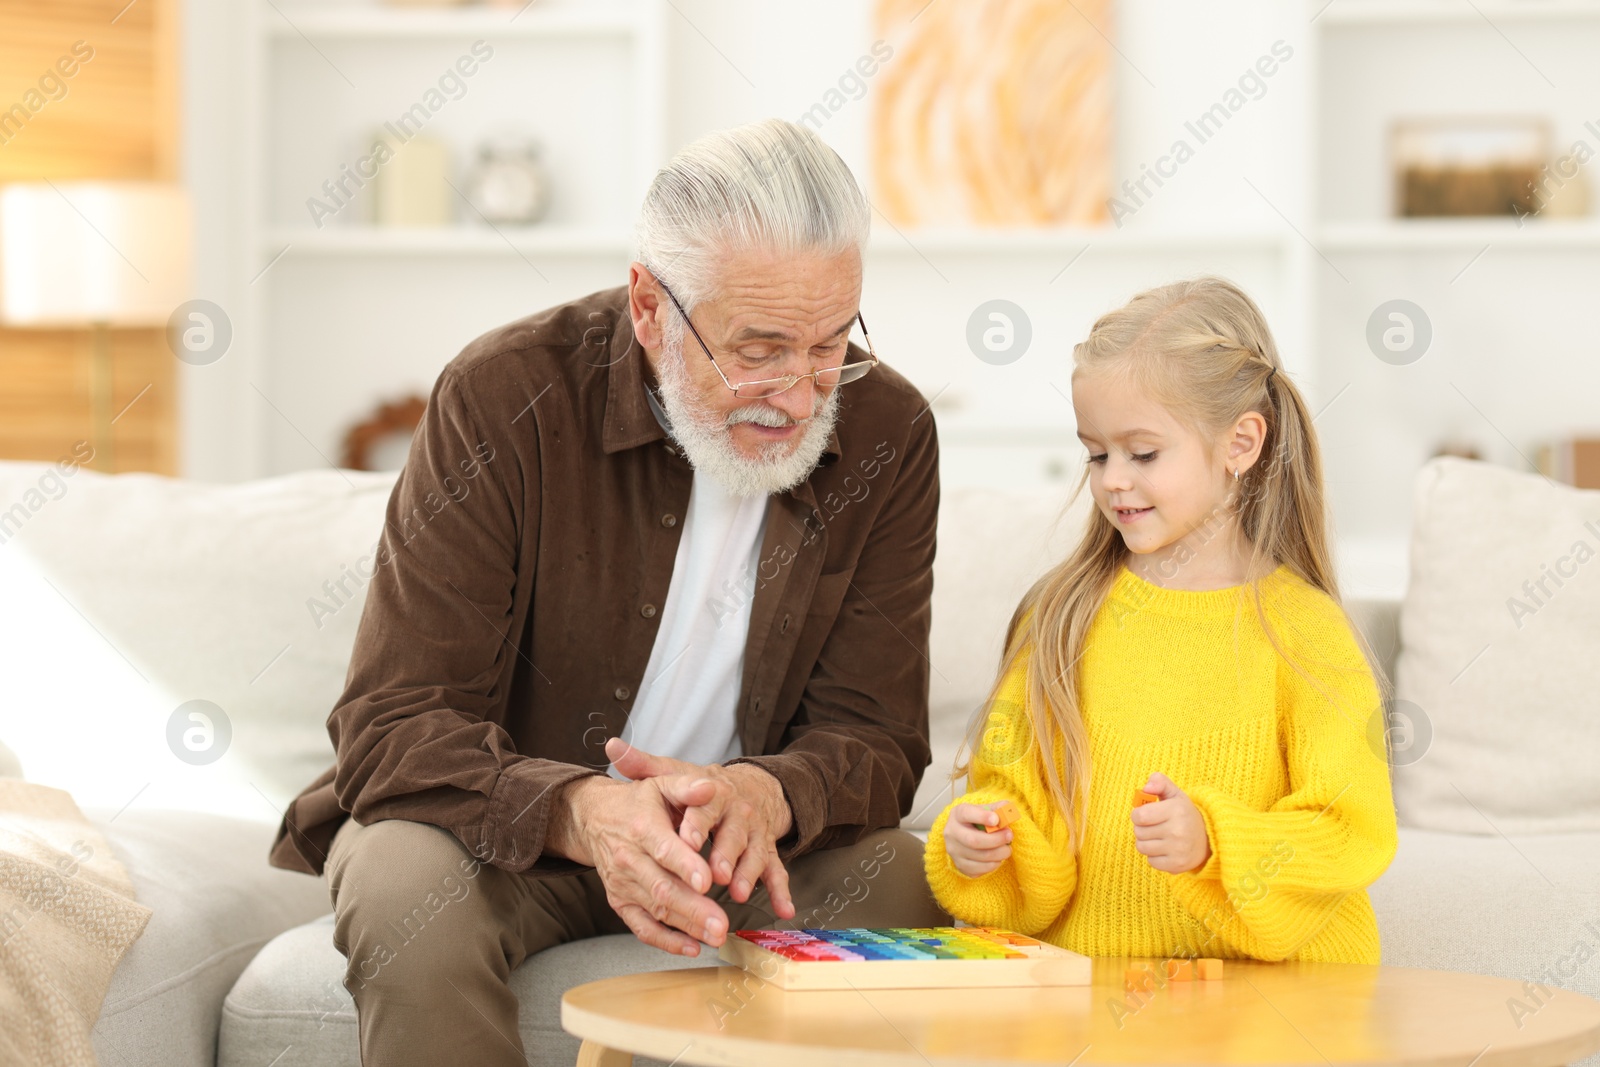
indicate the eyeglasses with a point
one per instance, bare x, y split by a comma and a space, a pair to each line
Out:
827, 377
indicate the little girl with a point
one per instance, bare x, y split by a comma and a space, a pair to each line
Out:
1192, 647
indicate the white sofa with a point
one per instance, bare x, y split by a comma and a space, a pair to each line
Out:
129, 596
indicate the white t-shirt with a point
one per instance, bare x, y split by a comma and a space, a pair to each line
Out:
687, 701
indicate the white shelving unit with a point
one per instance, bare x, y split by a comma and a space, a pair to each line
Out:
309, 283
323, 77
1437, 12
456, 240
376, 23
1073, 239
1311, 238
1450, 235
373, 240
1509, 362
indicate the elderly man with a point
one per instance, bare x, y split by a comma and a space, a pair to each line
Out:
646, 646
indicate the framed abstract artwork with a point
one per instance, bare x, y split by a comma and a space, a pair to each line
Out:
994, 113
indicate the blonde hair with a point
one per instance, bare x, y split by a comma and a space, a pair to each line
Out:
1202, 350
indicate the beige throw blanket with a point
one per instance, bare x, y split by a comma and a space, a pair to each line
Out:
67, 914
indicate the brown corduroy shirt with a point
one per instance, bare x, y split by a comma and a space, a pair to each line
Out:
526, 553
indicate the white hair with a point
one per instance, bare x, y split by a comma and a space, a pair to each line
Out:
768, 185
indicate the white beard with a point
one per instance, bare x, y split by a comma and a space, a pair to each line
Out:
707, 436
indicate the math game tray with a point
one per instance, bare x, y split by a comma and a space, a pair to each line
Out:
939, 957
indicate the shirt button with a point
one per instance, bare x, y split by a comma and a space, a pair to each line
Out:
669, 521
622, 692
648, 611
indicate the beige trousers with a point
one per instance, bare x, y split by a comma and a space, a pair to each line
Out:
431, 935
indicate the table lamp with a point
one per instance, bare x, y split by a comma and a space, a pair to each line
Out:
95, 254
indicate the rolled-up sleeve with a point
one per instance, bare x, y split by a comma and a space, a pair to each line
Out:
418, 729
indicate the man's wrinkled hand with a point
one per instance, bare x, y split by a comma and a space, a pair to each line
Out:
628, 832
744, 815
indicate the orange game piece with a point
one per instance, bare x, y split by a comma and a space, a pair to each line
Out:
1208, 970
1136, 978
1140, 798
1008, 814
1180, 970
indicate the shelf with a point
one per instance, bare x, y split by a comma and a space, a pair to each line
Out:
447, 240
1471, 12
381, 23
470, 240
1459, 234
1053, 240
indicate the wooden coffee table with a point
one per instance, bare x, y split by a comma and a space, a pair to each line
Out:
1315, 1014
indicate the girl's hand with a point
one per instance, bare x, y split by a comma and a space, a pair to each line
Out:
1171, 833
972, 850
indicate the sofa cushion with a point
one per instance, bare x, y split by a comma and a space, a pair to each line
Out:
293, 994
993, 544
1498, 688
215, 902
10, 766
1485, 905
135, 594
147, 592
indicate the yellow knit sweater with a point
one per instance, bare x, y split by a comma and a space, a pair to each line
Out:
1294, 789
